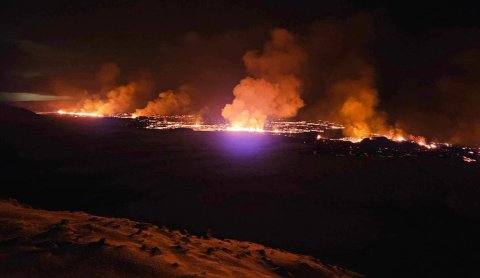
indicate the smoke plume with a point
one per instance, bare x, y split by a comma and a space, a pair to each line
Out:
356, 108
274, 88
342, 79
118, 100
167, 103
109, 98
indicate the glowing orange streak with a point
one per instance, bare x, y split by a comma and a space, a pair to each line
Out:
245, 129
80, 114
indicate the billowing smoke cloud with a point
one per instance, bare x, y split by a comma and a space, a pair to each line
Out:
274, 90
167, 103
210, 63
357, 105
118, 100
342, 80
110, 99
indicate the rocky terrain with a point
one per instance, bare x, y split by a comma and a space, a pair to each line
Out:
40, 243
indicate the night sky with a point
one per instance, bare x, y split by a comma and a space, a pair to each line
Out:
425, 55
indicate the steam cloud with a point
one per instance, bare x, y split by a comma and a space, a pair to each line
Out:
274, 90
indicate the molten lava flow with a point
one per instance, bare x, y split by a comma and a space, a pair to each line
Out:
274, 89
421, 141
245, 129
287, 128
398, 138
80, 114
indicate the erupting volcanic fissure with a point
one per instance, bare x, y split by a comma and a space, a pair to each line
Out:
274, 90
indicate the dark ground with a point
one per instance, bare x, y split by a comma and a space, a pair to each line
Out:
383, 217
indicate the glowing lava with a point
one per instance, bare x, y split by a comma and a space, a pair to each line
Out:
245, 129
277, 127
79, 114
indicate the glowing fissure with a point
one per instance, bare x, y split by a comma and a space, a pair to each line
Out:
272, 90
285, 128
80, 114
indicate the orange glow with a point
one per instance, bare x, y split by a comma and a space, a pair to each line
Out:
79, 114
273, 89
421, 141
245, 129
399, 138
277, 128
167, 103
117, 101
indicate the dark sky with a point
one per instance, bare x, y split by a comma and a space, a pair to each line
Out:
83, 34
420, 49
72, 19
109, 30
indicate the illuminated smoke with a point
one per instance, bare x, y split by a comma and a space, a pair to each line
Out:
357, 109
274, 88
110, 99
118, 100
342, 79
167, 103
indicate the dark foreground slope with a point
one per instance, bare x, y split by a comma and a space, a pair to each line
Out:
384, 217
39, 243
